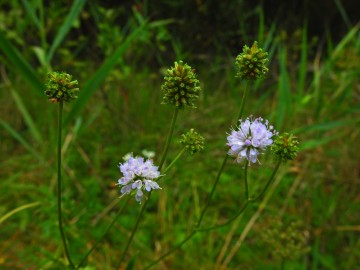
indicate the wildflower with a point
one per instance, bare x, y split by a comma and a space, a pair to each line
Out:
252, 137
138, 176
251, 63
181, 86
60, 87
285, 147
192, 141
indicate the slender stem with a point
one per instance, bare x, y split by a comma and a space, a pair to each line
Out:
107, 230
175, 159
163, 157
133, 231
211, 192
171, 251
242, 209
59, 185
282, 265
243, 100
268, 183
195, 230
169, 137
246, 181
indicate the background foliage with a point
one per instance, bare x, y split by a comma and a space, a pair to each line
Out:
119, 52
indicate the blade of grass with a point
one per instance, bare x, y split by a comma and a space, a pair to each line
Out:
342, 11
95, 81
20, 65
18, 209
20, 139
27, 117
65, 27
284, 95
31, 13
303, 63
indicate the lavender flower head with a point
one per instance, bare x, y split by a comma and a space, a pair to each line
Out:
138, 176
251, 138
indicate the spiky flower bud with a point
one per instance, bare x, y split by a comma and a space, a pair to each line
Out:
192, 141
251, 63
60, 87
181, 87
285, 147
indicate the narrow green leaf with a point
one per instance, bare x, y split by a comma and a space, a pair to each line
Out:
20, 139
95, 81
31, 13
18, 209
27, 117
303, 62
284, 93
327, 125
65, 27
20, 65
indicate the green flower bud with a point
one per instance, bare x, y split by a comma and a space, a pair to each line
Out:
192, 141
60, 87
181, 87
285, 147
251, 63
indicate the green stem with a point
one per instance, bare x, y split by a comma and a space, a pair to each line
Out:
211, 192
171, 251
59, 185
195, 230
133, 231
243, 100
175, 159
268, 183
163, 157
246, 181
282, 265
107, 230
248, 201
242, 209
169, 137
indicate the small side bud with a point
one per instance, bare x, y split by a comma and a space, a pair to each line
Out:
192, 141
251, 63
181, 87
285, 147
60, 87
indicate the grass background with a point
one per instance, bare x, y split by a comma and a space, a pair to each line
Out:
312, 90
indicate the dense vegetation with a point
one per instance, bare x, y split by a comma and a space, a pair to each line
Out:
119, 54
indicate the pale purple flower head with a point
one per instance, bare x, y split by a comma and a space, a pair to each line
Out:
138, 175
250, 139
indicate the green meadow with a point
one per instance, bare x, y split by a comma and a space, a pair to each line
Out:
119, 53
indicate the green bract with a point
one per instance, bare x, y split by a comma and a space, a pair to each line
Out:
181, 87
60, 87
285, 147
192, 141
251, 63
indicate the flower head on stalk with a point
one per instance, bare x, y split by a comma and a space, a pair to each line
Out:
181, 87
250, 139
192, 141
251, 63
285, 147
61, 88
138, 176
